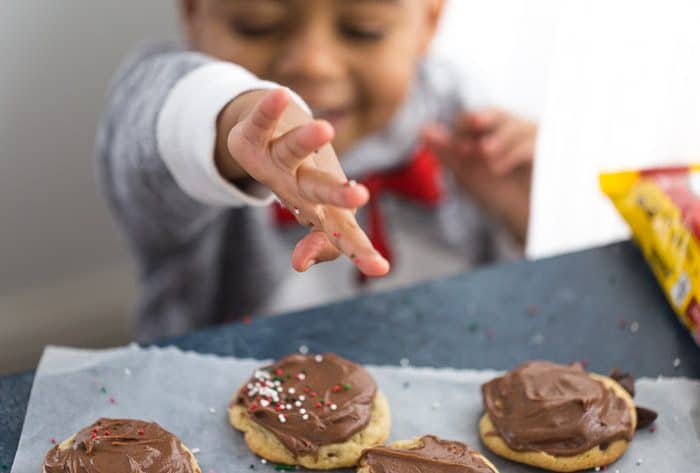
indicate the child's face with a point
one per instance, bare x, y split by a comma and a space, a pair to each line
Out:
353, 61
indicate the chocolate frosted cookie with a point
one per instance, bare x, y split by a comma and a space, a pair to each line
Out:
317, 411
557, 417
425, 454
121, 446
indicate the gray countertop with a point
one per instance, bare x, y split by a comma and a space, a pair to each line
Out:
579, 307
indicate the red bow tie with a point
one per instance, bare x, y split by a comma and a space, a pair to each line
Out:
419, 180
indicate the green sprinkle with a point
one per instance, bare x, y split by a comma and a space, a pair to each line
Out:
347, 387
103, 389
473, 327
285, 467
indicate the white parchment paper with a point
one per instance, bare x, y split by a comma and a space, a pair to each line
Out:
188, 393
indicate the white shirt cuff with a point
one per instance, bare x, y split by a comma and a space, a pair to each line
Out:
186, 132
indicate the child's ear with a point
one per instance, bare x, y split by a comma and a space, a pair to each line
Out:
189, 15
433, 13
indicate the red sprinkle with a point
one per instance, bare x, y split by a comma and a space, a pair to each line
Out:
336, 235
319, 405
278, 372
336, 388
328, 403
52, 440
108, 433
313, 394
94, 435
140, 431
280, 408
253, 406
306, 390
112, 400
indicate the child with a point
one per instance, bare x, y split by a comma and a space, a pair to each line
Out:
192, 146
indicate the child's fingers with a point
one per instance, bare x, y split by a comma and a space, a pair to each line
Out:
521, 153
321, 187
486, 120
294, 146
496, 146
313, 248
347, 235
259, 126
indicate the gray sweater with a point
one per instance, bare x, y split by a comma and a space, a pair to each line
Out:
200, 264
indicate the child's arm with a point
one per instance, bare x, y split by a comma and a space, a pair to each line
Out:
162, 149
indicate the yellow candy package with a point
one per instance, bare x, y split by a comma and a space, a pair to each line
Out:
662, 207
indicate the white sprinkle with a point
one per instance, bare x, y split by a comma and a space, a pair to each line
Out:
634, 327
127, 371
352, 183
302, 398
279, 389
597, 468
263, 461
264, 402
282, 418
436, 405
297, 403
302, 411
260, 374
212, 410
278, 383
318, 358
291, 390
676, 362
303, 349
196, 450
297, 212
305, 417
301, 376
288, 407
537, 339
639, 462
250, 386
333, 407
617, 471
404, 362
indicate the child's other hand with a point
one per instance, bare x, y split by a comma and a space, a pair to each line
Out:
279, 145
502, 140
490, 154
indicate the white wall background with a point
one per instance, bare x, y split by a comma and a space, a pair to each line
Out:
624, 93
64, 276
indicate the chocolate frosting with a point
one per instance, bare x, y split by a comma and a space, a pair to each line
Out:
561, 410
119, 446
431, 455
308, 401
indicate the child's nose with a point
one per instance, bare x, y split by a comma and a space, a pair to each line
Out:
312, 56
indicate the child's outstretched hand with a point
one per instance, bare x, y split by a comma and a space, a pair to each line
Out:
265, 136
